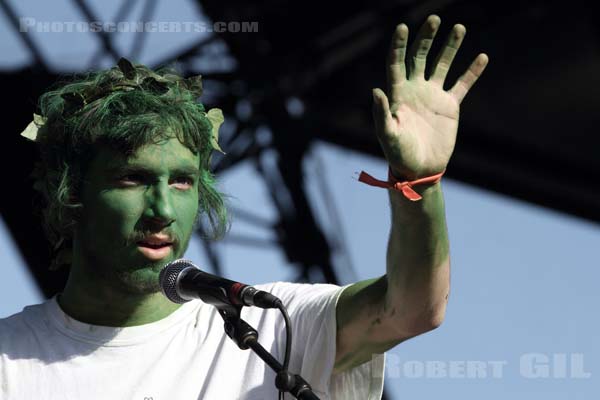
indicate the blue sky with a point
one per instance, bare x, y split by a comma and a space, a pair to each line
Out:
524, 279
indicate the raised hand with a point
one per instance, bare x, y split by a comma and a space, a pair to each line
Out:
416, 123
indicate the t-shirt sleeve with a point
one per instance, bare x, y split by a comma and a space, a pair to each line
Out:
312, 310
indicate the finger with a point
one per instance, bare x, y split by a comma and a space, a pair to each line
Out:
420, 47
446, 55
381, 111
468, 79
396, 57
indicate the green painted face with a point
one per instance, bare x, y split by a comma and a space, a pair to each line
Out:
138, 214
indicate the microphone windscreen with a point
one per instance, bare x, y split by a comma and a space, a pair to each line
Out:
168, 279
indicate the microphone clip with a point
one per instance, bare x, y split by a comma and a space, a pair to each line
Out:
236, 328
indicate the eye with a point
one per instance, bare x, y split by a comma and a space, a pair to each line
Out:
131, 179
183, 182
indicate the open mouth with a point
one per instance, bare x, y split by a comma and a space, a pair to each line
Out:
154, 245
155, 248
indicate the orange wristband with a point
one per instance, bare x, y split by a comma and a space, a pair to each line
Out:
405, 187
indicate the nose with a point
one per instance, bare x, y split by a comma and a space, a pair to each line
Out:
160, 209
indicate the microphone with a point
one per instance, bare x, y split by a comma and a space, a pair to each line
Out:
182, 281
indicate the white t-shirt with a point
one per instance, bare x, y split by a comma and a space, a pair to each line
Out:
45, 354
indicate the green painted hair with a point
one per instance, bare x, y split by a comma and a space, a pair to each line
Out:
124, 107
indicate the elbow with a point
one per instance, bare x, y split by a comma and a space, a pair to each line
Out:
427, 322
435, 320
419, 310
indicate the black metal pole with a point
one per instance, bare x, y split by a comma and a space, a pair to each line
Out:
245, 336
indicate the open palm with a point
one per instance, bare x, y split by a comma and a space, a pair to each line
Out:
416, 123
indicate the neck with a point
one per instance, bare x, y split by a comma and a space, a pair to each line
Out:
93, 300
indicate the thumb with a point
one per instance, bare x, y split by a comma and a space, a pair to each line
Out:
381, 110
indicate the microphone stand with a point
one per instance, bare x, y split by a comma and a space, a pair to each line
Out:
245, 336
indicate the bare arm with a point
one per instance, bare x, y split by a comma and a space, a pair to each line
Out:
416, 127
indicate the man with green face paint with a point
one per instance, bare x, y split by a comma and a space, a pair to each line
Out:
139, 214
125, 175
